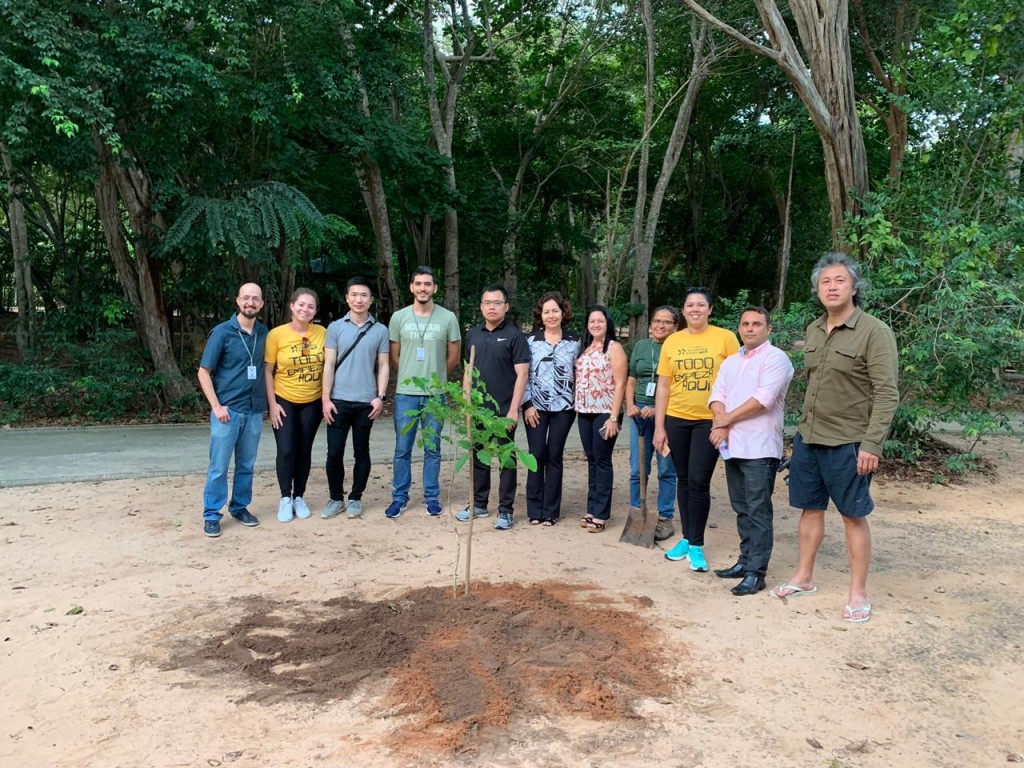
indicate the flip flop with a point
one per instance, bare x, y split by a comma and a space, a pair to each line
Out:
851, 614
791, 590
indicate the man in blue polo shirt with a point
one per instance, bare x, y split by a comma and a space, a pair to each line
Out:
503, 361
229, 377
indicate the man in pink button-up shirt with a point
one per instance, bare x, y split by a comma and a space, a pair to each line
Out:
747, 401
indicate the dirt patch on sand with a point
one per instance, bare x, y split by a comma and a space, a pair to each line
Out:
455, 665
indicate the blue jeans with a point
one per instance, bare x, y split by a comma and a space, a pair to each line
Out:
404, 441
666, 470
241, 437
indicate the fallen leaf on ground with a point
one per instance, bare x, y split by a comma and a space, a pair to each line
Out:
75, 610
815, 743
856, 665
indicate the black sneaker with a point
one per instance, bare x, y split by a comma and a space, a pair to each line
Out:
246, 518
212, 528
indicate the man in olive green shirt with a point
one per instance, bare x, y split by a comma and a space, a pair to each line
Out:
851, 363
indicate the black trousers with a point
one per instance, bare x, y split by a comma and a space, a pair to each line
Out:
694, 458
600, 475
751, 483
355, 417
507, 481
295, 444
547, 444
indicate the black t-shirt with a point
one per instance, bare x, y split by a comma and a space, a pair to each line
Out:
497, 354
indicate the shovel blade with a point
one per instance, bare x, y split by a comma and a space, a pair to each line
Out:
639, 528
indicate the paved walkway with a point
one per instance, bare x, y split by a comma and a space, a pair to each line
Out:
77, 454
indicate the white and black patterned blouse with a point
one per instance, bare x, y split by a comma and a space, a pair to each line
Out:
551, 386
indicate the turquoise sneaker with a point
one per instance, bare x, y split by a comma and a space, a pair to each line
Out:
697, 560
679, 551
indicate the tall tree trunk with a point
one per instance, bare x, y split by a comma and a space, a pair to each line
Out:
645, 223
442, 122
24, 329
785, 209
138, 271
371, 182
824, 83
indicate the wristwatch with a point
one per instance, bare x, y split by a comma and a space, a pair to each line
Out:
382, 398
613, 419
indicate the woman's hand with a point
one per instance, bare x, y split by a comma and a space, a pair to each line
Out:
276, 415
611, 429
531, 417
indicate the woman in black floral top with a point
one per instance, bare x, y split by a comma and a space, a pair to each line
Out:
548, 405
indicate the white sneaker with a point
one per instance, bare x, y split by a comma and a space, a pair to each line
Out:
302, 510
355, 508
285, 511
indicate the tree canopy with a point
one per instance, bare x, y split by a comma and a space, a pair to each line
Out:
156, 153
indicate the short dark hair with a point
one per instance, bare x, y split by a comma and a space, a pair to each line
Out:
563, 305
761, 311
495, 288
835, 259
706, 292
423, 270
587, 339
676, 317
360, 281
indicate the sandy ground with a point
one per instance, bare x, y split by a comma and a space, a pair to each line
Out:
936, 678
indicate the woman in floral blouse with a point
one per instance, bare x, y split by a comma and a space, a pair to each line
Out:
601, 372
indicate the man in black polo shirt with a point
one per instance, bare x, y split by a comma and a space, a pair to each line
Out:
503, 364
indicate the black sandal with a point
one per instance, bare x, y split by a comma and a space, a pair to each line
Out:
595, 525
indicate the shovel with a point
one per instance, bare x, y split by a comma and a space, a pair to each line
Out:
640, 523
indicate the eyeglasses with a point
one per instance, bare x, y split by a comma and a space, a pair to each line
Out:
253, 299
493, 302
663, 322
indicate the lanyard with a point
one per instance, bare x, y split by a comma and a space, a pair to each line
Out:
416, 322
248, 351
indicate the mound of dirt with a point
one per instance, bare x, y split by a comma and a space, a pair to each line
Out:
456, 665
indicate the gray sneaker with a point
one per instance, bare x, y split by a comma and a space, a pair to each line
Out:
664, 529
463, 514
333, 509
355, 508
504, 521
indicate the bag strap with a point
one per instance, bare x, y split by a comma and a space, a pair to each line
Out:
369, 324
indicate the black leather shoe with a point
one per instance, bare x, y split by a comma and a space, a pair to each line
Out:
737, 571
750, 585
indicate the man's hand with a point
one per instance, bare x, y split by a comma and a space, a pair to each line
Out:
329, 410
377, 408
221, 412
721, 421
719, 436
867, 463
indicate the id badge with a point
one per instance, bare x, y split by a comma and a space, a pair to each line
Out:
250, 371
652, 387
421, 354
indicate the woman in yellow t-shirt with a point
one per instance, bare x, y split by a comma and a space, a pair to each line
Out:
690, 361
294, 369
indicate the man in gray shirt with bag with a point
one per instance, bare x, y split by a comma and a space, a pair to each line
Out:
355, 382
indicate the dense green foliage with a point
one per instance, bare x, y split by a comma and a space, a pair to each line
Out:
241, 140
